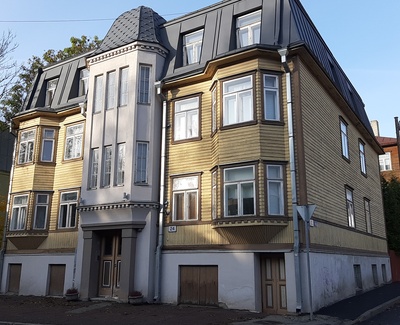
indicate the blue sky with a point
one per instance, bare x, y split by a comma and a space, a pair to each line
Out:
363, 35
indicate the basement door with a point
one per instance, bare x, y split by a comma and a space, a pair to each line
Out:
273, 275
198, 285
110, 264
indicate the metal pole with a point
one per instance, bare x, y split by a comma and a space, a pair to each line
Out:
307, 226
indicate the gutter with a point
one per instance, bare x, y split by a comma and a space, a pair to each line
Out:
296, 232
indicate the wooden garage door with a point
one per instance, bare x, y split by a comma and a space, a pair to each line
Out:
14, 277
56, 281
198, 285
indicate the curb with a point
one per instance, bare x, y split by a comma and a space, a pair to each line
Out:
375, 311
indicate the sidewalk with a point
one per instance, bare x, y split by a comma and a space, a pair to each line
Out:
56, 311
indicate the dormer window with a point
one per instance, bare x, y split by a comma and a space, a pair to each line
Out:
192, 44
83, 81
50, 90
248, 29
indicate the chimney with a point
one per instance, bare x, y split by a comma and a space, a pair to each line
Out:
375, 127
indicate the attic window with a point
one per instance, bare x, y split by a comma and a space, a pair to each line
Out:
192, 44
83, 81
248, 29
50, 90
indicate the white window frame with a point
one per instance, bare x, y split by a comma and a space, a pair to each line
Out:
238, 186
192, 47
141, 166
249, 25
144, 84
186, 118
123, 89
271, 113
83, 81
50, 90
73, 141
68, 214
214, 185
363, 162
48, 136
275, 180
26, 146
345, 139
94, 168
98, 94
19, 212
236, 92
350, 207
110, 89
107, 166
40, 204
121, 164
385, 162
368, 219
214, 110
185, 187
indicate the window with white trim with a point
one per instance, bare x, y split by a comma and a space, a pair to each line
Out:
363, 164
186, 119
271, 98
48, 145
142, 149
239, 191
144, 84
110, 90
121, 164
83, 81
94, 168
123, 87
73, 141
345, 139
214, 110
26, 146
275, 190
68, 214
185, 193
41, 211
98, 94
107, 163
248, 29
350, 207
19, 211
238, 100
50, 91
367, 210
214, 195
385, 162
192, 45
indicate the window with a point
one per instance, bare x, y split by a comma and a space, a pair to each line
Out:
350, 207
98, 94
248, 29
19, 210
48, 145
271, 98
367, 210
214, 110
123, 87
94, 168
51, 89
345, 140
357, 276
185, 198
214, 195
110, 90
385, 162
275, 190
83, 81
186, 119
41, 208
238, 100
68, 203
239, 191
121, 164
73, 141
141, 162
26, 146
107, 161
144, 85
363, 164
375, 274
192, 44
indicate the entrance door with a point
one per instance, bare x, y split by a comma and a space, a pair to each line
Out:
56, 281
110, 264
274, 284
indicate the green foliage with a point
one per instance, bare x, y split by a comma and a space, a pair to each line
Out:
391, 203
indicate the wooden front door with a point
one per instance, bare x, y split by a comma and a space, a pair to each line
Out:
56, 279
198, 285
110, 264
14, 277
274, 284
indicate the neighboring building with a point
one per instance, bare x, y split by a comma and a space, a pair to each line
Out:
246, 112
42, 226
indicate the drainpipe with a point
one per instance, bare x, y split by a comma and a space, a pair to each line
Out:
4, 240
157, 296
296, 242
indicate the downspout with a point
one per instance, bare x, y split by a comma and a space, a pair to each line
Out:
157, 296
296, 240
4, 239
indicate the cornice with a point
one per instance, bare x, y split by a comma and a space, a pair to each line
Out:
121, 205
